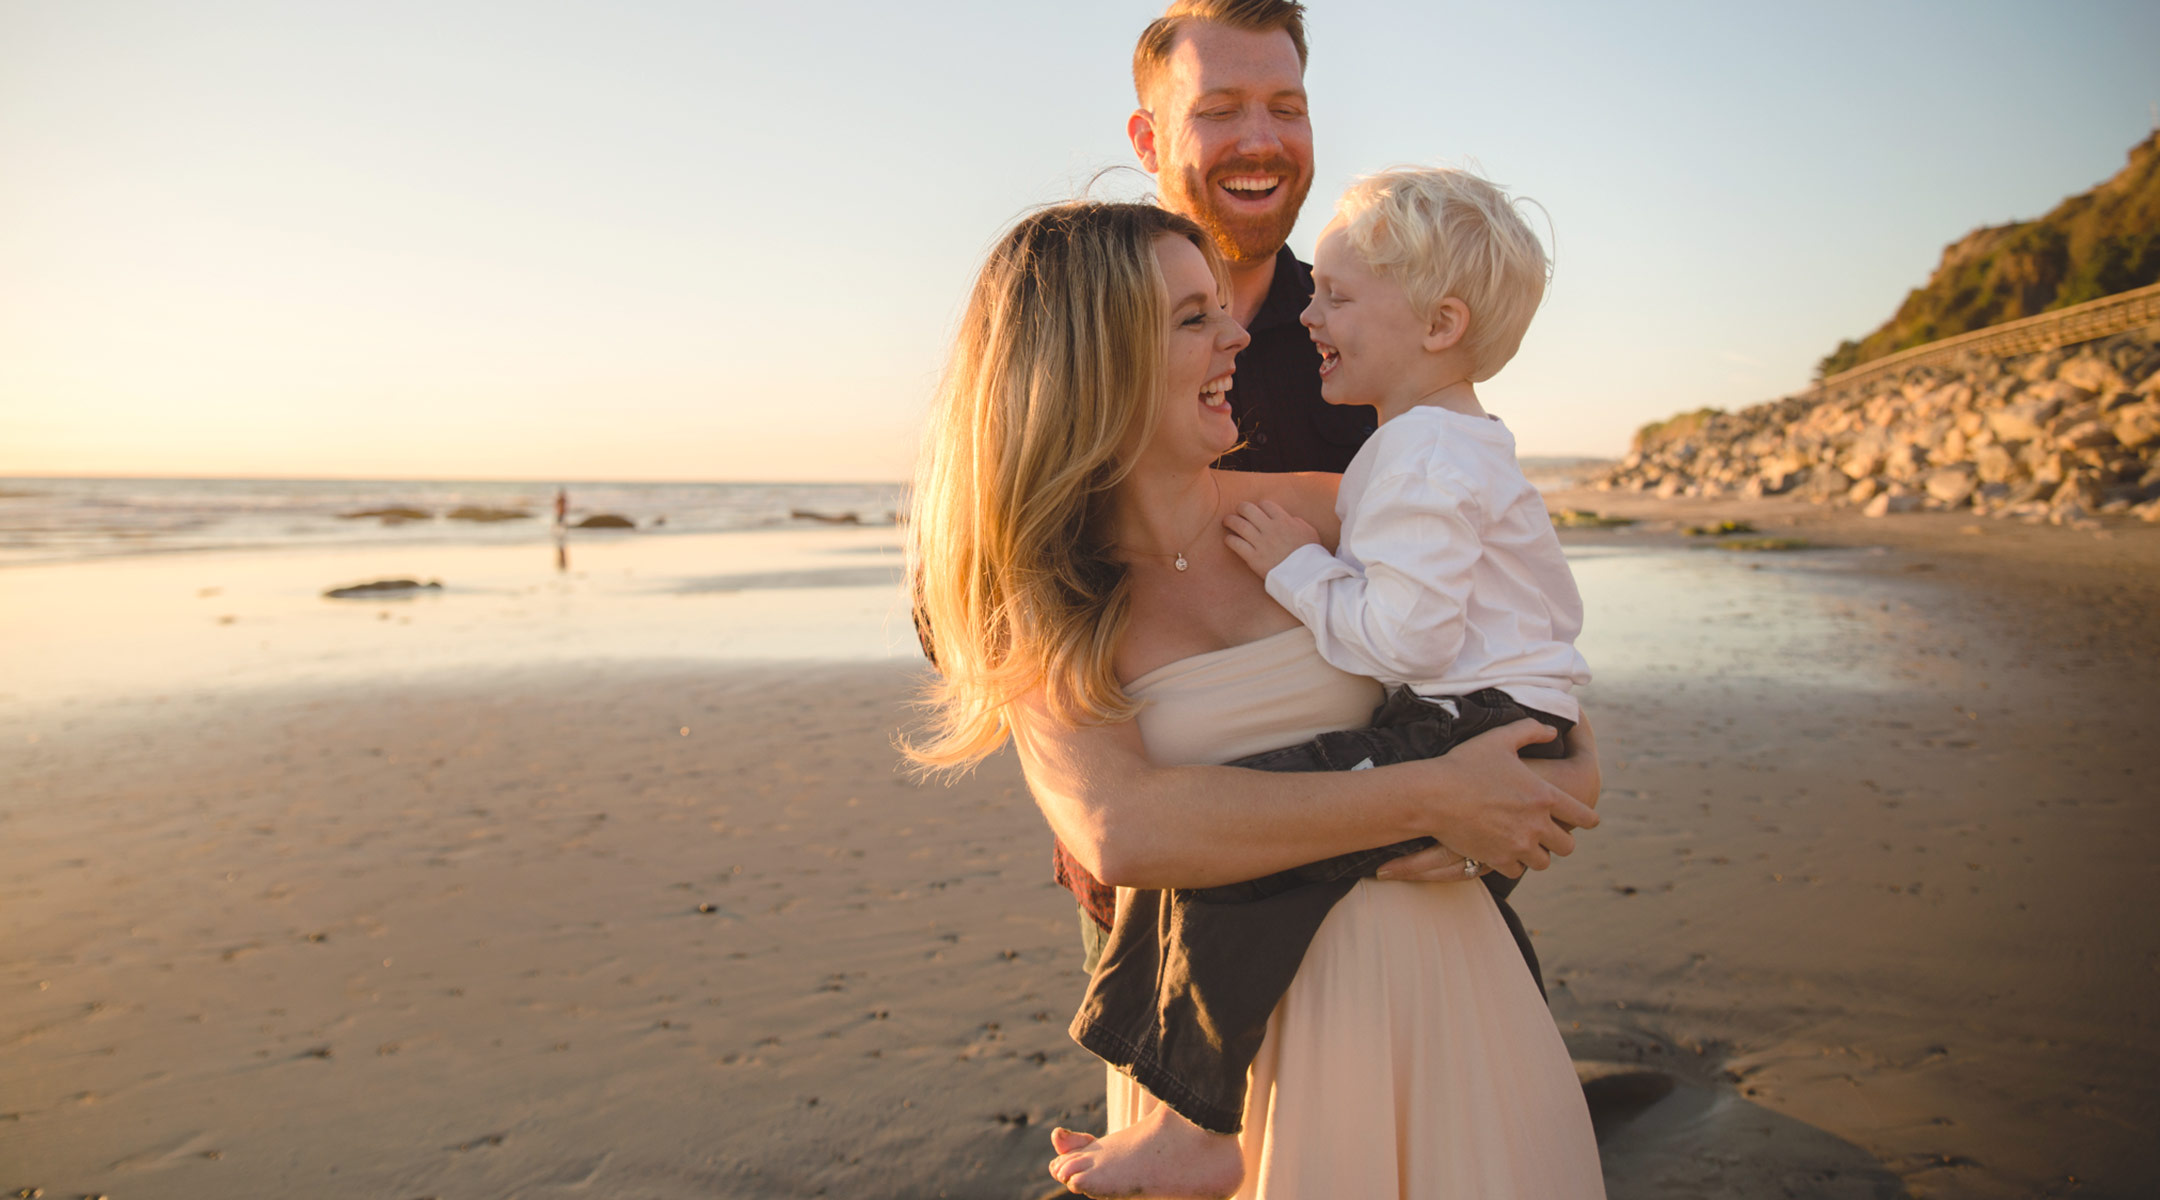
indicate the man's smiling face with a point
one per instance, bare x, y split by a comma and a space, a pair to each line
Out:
1226, 133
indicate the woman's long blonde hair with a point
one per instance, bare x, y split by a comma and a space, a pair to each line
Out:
1055, 375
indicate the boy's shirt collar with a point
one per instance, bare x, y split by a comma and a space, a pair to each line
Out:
1488, 427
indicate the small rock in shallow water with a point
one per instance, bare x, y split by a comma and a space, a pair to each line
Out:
381, 587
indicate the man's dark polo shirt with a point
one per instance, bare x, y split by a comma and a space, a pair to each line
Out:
1283, 422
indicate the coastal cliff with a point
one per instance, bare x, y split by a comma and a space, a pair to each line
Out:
2093, 244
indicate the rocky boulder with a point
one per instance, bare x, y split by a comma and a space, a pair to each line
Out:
1886, 504
2137, 425
1951, 485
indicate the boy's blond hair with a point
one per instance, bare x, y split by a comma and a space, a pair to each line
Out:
1440, 232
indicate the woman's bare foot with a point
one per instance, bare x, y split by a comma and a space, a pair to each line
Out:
1162, 1157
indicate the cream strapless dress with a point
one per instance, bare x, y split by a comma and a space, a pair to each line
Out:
1412, 1056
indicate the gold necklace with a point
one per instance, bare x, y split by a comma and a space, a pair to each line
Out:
1180, 562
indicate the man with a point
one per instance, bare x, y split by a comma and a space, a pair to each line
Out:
1223, 126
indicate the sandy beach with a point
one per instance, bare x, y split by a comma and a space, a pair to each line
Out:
605, 882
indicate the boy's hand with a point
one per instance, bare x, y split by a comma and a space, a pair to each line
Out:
1264, 534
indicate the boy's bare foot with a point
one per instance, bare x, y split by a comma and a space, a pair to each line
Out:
1162, 1157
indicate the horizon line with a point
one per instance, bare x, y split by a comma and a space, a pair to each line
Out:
537, 480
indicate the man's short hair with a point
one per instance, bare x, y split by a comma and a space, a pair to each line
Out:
1253, 16
1440, 232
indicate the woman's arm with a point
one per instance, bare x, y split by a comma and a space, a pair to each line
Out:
1134, 824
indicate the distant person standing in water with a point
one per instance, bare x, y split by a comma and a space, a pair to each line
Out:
562, 529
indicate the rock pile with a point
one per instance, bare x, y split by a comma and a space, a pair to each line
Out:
2058, 436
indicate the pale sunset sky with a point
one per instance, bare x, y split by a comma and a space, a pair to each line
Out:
716, 241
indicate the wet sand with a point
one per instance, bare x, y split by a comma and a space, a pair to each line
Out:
1892, 936
1867, 914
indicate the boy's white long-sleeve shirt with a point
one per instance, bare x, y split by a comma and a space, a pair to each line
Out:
1449, 578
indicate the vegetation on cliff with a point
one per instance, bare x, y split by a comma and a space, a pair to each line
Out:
2091, 245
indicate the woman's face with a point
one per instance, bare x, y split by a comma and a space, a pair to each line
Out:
1203, 343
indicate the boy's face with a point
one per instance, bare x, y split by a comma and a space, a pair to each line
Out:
1371, 341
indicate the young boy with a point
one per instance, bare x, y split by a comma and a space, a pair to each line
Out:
1448, 586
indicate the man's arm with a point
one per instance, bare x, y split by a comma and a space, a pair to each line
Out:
1134, 824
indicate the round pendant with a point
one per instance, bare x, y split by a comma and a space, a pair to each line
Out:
1181, 560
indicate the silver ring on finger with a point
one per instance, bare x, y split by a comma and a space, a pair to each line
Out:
1470, 866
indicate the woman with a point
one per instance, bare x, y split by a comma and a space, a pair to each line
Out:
1065, 545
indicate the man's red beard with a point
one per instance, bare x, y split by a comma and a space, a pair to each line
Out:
1239, 238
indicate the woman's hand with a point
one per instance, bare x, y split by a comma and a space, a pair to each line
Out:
1492, 807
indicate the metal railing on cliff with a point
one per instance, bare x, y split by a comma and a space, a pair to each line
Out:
2105, 317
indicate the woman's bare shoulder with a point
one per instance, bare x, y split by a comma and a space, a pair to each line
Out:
1308, 494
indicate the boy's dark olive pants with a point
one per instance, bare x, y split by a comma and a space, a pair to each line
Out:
1181, 998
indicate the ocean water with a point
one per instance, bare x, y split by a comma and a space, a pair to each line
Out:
44, 520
